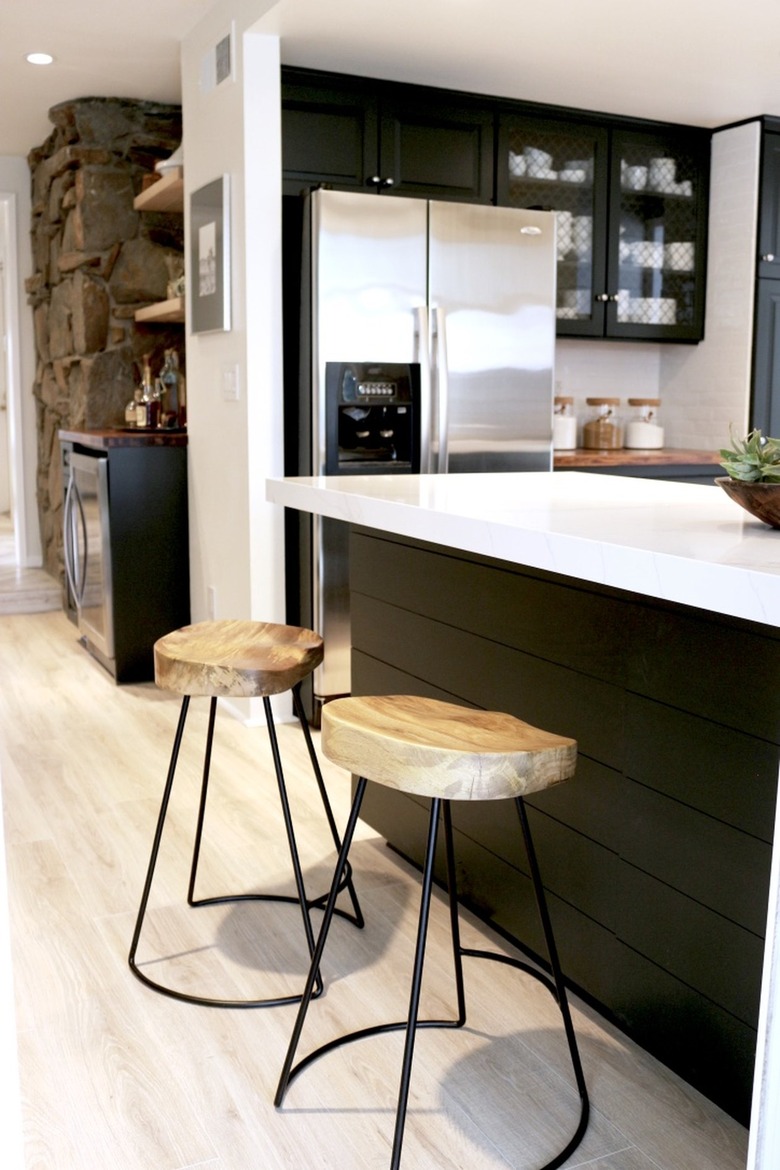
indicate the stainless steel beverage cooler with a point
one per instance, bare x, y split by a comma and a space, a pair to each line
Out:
125, 544
86, 548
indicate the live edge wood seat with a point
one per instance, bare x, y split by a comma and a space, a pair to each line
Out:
239, 659
429, 748
444, 752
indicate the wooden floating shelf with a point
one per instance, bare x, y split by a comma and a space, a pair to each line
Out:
170, 310
167, 194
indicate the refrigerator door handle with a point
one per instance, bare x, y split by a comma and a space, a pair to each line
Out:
422, 355
439, 334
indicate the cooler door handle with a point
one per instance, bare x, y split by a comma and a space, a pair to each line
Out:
75, 568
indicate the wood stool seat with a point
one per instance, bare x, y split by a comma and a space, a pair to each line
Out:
239, 659
429, 748
444, 752
242, 659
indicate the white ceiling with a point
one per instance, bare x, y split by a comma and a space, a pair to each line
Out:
708, 62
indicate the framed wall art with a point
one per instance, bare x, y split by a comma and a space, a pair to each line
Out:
210, 256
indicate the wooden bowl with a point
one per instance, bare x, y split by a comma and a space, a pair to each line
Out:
762, 500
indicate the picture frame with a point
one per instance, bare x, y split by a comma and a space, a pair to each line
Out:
210, 256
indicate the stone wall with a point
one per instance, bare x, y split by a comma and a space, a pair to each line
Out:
95, 261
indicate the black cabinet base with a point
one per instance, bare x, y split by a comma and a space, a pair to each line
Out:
656, 856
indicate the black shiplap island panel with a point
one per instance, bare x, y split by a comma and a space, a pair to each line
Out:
656, 856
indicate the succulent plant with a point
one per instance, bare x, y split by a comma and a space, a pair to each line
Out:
754, 459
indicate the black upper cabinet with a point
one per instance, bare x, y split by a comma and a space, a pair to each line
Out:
631, 196
356, 134
768, 260
563, 166
765, 389
329, 133
434, 148
766, 358
631, 206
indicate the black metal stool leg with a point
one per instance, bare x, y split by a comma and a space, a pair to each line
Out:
560, 987
156, 849
202, 806
417, 972
290, 831
357, 916
288, 1070
452, 887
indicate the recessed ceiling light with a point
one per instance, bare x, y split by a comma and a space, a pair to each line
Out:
39, 58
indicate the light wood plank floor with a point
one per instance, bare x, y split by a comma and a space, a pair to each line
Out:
23, 590
117, 1077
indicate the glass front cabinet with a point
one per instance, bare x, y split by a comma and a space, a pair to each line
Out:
631, 209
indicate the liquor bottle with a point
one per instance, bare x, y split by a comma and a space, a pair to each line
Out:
131, 410
170, 387
143, 414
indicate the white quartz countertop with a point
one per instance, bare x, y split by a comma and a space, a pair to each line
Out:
685, 543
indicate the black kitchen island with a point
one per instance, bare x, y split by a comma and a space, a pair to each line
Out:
657, 857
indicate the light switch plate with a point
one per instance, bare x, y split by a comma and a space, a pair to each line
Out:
230, 383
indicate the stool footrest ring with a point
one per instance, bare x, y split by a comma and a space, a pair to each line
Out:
317, 903
402, 1025
555, 984
301, 899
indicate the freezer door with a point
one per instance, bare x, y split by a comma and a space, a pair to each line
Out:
492, 319
369, 269
368, 286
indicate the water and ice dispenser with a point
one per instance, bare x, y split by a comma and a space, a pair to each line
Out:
372, 418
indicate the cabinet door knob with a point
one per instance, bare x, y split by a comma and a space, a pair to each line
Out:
612, 297
602, 297
387, 183
374, 181
769, 257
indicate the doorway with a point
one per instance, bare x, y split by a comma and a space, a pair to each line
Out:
6, 519
12, 533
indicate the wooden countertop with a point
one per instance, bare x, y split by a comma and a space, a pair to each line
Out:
666, 456
102, 439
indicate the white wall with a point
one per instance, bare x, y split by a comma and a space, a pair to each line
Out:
5, 479
15, 196
236, 538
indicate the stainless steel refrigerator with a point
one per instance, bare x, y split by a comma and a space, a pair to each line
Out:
462, 297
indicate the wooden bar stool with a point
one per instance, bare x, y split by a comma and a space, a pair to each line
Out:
240, 659
444, 752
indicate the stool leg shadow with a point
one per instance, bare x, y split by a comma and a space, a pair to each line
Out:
306, 904
555, 985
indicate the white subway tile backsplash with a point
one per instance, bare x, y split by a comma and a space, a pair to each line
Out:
707, 390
